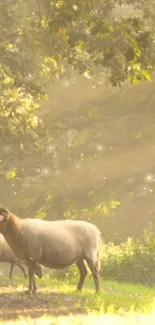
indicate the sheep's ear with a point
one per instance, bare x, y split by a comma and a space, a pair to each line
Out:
1, 217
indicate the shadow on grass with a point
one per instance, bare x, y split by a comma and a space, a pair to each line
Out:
15, 303
55, 298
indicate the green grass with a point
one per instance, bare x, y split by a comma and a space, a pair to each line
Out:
114, 296
57, 299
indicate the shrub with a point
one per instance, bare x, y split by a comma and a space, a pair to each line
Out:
131, 261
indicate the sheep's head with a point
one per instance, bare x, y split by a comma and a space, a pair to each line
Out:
4, 217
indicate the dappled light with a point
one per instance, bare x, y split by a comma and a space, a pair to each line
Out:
77, 138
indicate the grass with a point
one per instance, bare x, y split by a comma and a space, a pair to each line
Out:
57, 303
114, 294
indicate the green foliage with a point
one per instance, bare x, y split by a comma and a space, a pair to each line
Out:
42, 212
132, 261
41, 43
12, 173
38, 39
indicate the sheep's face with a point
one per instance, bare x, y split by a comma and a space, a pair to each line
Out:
4, 217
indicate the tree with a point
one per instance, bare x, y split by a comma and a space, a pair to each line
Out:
41, 41
95, 38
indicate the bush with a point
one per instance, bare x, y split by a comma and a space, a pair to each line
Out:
132, 261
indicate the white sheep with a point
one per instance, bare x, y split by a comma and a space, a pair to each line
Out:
7, 256
53, 244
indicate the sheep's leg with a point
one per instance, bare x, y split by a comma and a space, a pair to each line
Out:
38, 271
32, 283
30, 287
34, 267
95, 272
83, 273
11, 270
22, 268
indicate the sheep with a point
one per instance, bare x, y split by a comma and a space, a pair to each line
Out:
53, 244
7, 255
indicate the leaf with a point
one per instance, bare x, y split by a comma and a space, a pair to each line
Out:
12, 173
146, 75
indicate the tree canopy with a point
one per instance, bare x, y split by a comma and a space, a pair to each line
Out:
46, 43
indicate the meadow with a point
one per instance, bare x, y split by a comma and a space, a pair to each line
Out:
127, 296
57, 303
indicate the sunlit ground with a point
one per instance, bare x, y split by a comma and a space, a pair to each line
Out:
56, 302
90, 319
